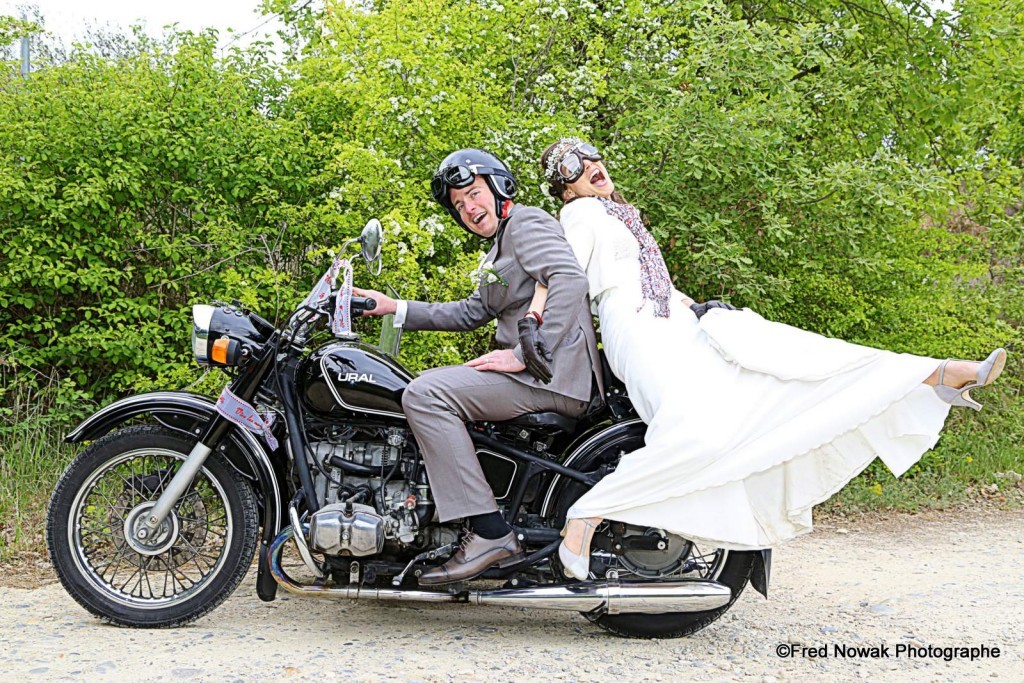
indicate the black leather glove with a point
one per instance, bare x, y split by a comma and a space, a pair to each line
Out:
700, 309
536, 356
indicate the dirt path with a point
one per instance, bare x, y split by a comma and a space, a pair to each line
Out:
955, 580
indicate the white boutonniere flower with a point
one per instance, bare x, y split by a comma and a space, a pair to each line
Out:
485, 274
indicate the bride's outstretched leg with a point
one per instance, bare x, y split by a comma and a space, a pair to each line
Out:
954, 379
574, 552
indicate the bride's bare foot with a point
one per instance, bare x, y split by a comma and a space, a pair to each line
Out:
954, 379
957, 374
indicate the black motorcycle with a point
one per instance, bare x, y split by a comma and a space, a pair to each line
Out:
156, 522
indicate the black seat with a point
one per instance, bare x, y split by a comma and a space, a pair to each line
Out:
544, 420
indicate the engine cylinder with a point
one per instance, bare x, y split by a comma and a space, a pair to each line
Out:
346, 529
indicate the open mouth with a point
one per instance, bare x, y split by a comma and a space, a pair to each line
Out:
479, 219
597, 177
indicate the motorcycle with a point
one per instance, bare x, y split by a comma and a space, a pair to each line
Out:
308, 459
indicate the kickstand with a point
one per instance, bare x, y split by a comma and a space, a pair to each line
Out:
429, 555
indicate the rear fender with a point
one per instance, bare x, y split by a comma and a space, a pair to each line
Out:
180, 410
762, 571
590, 445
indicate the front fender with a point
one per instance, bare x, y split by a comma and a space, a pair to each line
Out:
175, 407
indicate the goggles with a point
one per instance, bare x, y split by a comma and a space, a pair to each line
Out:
458, 177
570, 167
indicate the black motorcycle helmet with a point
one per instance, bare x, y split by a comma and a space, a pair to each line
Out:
459, 170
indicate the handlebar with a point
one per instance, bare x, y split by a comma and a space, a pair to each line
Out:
361, 304
306, 317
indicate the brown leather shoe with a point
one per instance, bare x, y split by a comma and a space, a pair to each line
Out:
475, 556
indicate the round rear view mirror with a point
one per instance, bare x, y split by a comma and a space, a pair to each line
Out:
371, 240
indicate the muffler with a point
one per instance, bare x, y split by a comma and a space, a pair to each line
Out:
612, 597
607, 597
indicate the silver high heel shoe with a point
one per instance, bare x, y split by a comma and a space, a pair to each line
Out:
988, 372
578, 566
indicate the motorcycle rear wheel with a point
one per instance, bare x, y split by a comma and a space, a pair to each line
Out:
733, 570
735, 574
192, 563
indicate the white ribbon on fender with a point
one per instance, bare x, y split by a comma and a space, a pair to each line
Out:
245, 415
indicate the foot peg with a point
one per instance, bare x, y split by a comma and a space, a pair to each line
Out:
429, 555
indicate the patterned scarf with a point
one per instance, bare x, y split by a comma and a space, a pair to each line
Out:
655, 282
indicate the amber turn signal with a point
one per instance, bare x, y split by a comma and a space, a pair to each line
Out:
225, 351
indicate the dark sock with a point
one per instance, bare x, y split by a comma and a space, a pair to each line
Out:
489, 526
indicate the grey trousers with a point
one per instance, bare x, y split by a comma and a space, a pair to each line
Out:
437, 405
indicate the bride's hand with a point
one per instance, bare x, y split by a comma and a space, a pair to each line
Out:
700, 309
535, 350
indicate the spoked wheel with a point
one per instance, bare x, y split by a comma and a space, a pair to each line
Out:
168, 577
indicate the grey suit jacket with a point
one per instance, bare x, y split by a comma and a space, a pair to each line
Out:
530, 247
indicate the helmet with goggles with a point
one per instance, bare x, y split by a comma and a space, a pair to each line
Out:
565, 161
459, 169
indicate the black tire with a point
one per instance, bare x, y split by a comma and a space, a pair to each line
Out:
203, 551
735, 574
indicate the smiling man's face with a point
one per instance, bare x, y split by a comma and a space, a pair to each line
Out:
475, 205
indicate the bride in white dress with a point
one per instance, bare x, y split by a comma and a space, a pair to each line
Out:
750, 423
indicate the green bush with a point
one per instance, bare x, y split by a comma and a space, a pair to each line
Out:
850, 169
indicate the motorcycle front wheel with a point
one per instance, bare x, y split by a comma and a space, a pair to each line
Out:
189, 566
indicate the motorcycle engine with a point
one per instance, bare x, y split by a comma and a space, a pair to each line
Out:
380, 483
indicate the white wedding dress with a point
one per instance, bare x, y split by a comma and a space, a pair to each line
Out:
750, 423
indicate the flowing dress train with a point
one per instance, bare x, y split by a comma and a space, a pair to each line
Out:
750, 423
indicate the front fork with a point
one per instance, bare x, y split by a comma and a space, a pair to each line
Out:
182, 480
245, 387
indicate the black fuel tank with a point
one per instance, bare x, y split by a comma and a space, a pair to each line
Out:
352, 379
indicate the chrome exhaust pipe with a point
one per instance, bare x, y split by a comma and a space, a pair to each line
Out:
608, 597
612, 597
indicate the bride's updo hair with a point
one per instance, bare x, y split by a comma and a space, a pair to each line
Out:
556, 188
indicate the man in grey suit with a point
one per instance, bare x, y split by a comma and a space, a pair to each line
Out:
477, 190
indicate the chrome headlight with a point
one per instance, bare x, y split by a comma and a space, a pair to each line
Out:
202, 317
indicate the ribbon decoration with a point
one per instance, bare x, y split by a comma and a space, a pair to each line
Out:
341, 319
244, 414
323, 286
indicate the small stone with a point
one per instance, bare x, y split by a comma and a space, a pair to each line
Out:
186, 673
842, 531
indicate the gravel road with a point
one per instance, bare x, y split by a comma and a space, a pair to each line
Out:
948, 581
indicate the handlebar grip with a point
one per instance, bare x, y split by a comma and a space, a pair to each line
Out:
361, 304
